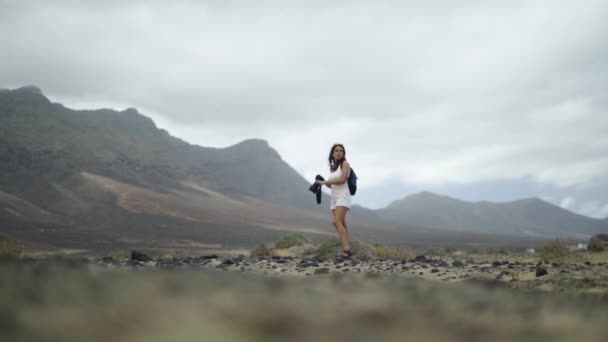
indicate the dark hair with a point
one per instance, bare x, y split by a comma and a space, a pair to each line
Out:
335, 164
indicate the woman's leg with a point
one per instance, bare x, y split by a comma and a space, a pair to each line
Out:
340, 231
345, 227
340, 218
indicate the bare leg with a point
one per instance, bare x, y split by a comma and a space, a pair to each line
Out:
345, 227
339, 219
341, 232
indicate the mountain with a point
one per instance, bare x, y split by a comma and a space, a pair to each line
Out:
45, 140
102, 177
105, 180
527, 216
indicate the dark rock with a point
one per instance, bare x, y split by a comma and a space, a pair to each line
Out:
457, 263
322, 270
442, 263
421, 258
305, 264
135, 255
108, 259
207, 257
541, 271
496, 263
227, 262
434, 270
132, 262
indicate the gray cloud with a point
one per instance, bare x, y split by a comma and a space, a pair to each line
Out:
420, 91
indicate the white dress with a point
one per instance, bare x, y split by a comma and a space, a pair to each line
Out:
340, 196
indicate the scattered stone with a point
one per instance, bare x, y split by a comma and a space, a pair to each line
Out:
421, 258
541, 271
457, 263
139, 256
108, 259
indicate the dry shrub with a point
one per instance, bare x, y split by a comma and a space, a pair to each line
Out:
303, 250
291, 240
262, 250
553, 251
332, 248
10, 248
392, 252
120, 254
598, 243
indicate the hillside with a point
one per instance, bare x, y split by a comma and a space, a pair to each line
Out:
527, 216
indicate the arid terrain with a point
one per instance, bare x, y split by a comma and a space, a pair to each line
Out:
436, 296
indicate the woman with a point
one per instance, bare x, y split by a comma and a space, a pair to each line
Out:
340, 196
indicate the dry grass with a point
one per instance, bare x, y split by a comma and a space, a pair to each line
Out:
10, 248
556, 250
598, 243
262, 250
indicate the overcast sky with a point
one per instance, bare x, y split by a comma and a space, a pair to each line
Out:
480, 100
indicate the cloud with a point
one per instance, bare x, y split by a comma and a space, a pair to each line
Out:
419, 92
567, 203
592, 208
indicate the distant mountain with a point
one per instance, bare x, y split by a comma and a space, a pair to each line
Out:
46, 140
102, 177
527, 216
105, 179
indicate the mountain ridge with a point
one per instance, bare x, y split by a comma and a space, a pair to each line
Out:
106, 176
526, 216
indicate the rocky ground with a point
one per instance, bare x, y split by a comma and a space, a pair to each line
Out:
215, 298
525, 274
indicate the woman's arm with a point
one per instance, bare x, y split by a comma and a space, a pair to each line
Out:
343, 177
323, 182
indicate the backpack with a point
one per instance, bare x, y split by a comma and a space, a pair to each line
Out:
352, 182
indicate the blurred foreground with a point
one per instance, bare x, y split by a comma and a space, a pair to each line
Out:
74, 301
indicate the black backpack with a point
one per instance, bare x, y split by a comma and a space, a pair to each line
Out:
352, 182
